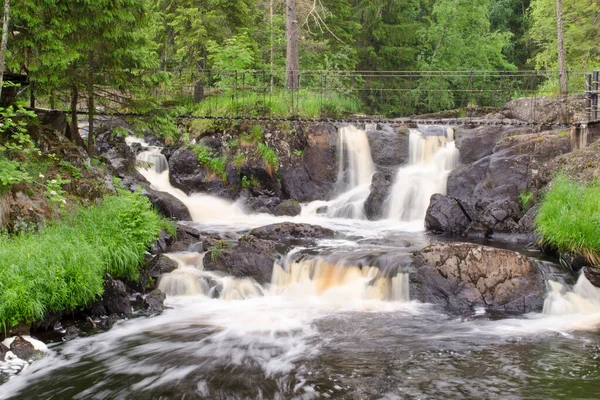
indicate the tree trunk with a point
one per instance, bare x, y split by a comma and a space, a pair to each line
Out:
561, 49
292, 64
5, 24
271, 42
91, 109
74, 130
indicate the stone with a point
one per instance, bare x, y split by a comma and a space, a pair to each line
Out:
168, 205
463, 180
380, 188
289, 230
160, 265
263, 204
250, 258
592, 275
72, 333
289, 207
186, 173
22, 348
448, 215
389, 147
115, 299
463, 276
154, 302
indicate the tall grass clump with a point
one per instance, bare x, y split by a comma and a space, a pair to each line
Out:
569, 218
62, 266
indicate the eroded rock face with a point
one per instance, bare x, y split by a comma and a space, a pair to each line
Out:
312, 177
462, 276
185, 172
389, 148
289, 230
448, 214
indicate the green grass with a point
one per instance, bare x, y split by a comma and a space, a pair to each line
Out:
279, 104
207, 158
569, 218
63, 265
268, 155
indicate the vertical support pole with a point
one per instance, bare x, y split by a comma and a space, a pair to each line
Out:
588, 97
595, 96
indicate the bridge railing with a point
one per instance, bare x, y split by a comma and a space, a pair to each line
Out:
331, 93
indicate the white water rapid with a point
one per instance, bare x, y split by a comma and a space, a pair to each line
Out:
335, 321
431, 158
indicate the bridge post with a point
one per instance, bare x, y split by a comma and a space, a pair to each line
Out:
579, 136
588, 97
595, 96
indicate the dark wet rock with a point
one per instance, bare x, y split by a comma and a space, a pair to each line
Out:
167, 204
388, 146
49, 321
22, 348
477, 143
575, 262
186, 173
154, 302
592, 275
188, 237
159, 265
380, 188
265, 180
121, 160
463, 180
263, 204
3, 351
162, 243
250, 258
289, 207
72, 333
448, 214
289, 230
314, 175
462, 276
115, 299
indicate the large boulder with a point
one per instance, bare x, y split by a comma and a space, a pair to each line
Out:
463, 180
544, 110
464, 276
250, 258
477, 143
389, 148
313, 176
186, 173
154, 302
115, 299
289, 208
448, 215
168, 205
289, 230
380, 188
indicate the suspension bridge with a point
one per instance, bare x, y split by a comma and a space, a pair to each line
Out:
455, 98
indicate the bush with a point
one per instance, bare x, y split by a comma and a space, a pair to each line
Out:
62, 267
569, 218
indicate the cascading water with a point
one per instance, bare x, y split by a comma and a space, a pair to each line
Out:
431, 159
355, 171
153, 165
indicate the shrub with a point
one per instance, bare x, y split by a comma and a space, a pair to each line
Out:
269, 157
62, 267
569, 218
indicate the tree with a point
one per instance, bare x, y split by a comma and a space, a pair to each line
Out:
5, 24
291, 33
561, 48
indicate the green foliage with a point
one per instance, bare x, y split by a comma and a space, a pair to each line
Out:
62, 267
239, 160
249, 183
269, 156
581, 35
525, 198
207, 158
298, 153
66, 166
569, 218
55, 192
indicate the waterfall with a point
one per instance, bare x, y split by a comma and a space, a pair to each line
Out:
154, 167
338, 281
355, 171
190, 279
431, 158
